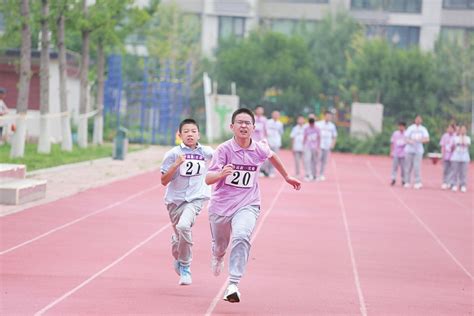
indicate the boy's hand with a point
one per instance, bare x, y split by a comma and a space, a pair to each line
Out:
294, 182
227, 170
180, 160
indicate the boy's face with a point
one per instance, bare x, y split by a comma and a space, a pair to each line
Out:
401, 127
418, 120
450, 129
300, 120
259, 111
243, 126
189, 134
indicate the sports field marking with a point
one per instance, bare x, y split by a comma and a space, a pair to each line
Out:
97, 274
131, 197
420, 221
448, 195
219, 295
355, 272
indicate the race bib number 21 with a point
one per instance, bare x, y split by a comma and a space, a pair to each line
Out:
242, 177
193, 165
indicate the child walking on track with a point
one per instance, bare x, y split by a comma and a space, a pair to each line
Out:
184, 169
460, 159
397, 151
235, 201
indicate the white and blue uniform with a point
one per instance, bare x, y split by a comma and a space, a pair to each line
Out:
460, 159
414, 150
328, 135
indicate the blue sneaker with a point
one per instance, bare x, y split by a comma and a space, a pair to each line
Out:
185, 275
176, 266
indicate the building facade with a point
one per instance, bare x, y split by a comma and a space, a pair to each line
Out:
403, 22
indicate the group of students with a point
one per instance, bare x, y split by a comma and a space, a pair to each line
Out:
234, 205
407, 151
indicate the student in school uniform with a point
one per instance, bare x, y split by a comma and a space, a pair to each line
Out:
446, 144
297, 137
397, 151
416, 135
460, 159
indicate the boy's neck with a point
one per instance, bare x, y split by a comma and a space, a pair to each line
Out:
243, 142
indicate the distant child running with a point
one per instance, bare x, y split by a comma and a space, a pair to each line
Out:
235, 201
397, 151
183, 170
446, 144
312, 138
460, 159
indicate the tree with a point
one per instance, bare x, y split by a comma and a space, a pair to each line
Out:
268, 67
44, 144
18, 144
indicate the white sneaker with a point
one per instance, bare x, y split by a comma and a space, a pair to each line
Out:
217, 265
322, 178
418, 185
232, 294
185, 275
444, 186
463, 189
406, 185
308, 178
454, 188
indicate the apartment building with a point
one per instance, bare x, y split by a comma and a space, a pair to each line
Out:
403, 22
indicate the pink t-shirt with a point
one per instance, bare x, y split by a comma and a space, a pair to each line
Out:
399, 143
447, 142
312, 137
260, 128
241, 187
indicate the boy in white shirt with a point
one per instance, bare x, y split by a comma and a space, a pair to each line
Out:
297, 137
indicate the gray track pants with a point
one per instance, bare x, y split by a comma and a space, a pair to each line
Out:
413, 164
459, 172
240, 227
398, 162
323, 159
182, 218
298, 155
311, 162
448, 172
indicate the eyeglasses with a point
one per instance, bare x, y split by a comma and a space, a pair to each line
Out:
248, 123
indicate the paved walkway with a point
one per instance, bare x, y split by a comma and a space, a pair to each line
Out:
70, 179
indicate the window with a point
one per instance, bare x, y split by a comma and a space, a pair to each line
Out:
286, 27
400, 36
403, 6
457, 35
458, 4
231, 27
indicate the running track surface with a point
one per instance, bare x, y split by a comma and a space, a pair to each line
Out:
351, 245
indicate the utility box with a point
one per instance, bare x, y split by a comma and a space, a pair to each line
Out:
120, 144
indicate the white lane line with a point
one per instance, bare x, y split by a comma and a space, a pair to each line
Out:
105, 269
219, 295
131, 197
420, 221
355, 272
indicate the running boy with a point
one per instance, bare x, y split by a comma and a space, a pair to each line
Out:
297, 137
416, 135
235, 201
446, 144
397, 151
460, 159
184, 168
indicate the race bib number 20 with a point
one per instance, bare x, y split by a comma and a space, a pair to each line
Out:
193, 165
242, 177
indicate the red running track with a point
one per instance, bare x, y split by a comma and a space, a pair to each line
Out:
351, 245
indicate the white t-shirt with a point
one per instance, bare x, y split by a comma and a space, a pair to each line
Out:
328, 133
415, 133
274, 132
461, 149
297, 134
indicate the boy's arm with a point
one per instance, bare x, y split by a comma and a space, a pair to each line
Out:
276, 162
168, 175
214, 176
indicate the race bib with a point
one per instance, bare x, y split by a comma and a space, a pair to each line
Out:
400, 142
194, 165
417, 136
242, 177
326, 133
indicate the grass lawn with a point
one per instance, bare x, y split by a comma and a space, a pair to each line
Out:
34, 160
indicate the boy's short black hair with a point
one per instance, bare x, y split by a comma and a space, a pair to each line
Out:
327, 112
188, 121
311, 121
3, 90
243, 110
258, 106
402, 123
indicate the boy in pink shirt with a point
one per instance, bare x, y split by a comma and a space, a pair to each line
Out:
397, 151
235, 200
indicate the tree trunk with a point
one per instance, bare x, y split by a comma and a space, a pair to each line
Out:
44, 144
83, 106
18, 144
99, 118
66, 144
